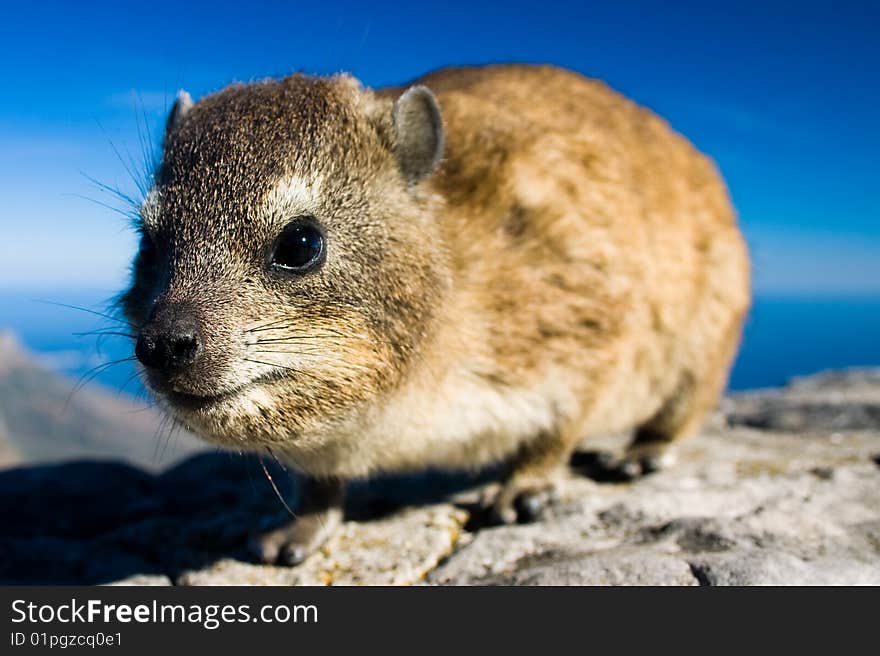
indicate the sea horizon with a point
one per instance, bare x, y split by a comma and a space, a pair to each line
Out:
787, 335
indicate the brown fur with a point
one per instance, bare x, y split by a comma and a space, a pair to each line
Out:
573, 267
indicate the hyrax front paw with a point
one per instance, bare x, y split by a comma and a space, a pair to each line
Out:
292, 544
520, 501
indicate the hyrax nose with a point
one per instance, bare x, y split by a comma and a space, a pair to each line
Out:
169, 345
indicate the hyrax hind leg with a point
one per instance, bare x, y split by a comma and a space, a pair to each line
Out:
654, 444
529, 486
318, 516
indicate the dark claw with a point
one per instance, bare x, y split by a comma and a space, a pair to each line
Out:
527, 506
292, 554
605, 466
606, 460
651, 464
530, 506
630, 469
292, 544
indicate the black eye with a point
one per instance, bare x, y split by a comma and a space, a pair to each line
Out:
300, 246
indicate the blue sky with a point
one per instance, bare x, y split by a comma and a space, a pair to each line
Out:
784, 96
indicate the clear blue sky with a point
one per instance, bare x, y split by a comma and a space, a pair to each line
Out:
784, 96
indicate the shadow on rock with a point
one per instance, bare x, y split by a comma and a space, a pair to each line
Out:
90, 522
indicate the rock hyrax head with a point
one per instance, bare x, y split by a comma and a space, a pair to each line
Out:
287, 269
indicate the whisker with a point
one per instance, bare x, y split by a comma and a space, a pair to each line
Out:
265, 326
174, 426
129, 165
275, 487
82, 309
114, 192
284, 469
344, 364
149, 407
292, 339
126, 383
90, 375
304, 350
163, 422
148, 145
270, 340
328, 331
104, 333
269, 364
275, 365
128, 214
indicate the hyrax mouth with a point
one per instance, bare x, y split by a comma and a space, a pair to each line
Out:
193, 403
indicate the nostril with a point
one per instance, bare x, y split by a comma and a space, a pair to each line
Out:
170, 339
184, 348
145, 350
167, 352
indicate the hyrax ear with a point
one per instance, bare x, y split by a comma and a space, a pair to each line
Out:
182, 104
418, 131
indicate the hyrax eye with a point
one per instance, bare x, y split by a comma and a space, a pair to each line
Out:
299, 248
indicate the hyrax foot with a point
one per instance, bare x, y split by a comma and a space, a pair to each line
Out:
292, 544
639, 459
320, 515
530, 486
520, 501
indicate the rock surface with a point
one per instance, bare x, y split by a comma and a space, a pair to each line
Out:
47, 417
782, 487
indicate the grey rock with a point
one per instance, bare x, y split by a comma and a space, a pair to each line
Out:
770, 567
835, 400
396, 550
623, 566
754, 500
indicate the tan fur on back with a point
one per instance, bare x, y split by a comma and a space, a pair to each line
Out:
597, 265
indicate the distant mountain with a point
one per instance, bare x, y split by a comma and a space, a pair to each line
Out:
42, 418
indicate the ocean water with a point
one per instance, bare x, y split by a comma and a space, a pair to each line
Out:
65, 339
788, 336
785, 336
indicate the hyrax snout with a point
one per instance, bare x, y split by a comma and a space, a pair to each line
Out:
491, 264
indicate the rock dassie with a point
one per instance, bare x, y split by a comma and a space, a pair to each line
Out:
489, 265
